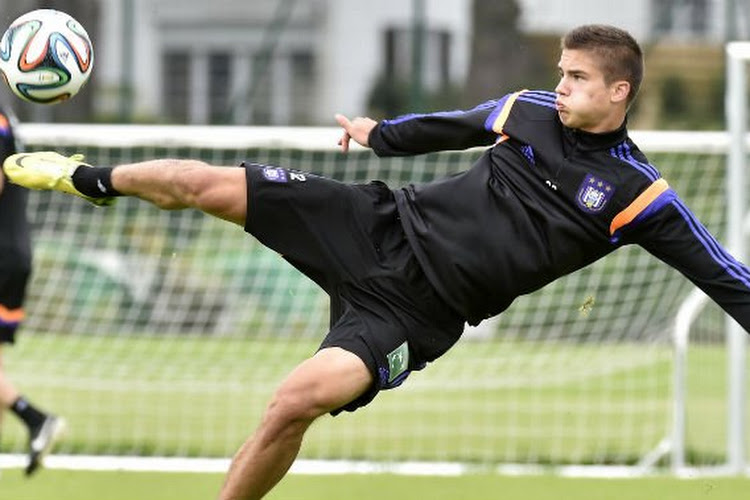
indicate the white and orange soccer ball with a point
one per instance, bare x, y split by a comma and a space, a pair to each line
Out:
46, 56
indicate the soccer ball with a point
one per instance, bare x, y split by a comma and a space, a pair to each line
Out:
46, 56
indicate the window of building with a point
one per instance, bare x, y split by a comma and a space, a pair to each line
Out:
436, 56
681, 18
225, 88
219, 88
176, 86
302, 88
260, 92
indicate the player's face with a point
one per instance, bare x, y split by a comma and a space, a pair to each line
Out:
584, 100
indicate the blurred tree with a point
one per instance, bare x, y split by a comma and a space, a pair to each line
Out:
502, 58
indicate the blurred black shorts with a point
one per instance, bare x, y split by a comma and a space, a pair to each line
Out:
15, 259
13, 282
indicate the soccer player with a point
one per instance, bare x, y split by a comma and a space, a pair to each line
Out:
15, 268
560, 185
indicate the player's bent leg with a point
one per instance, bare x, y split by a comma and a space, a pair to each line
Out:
8, 392
44, 429
327, 381
174, 184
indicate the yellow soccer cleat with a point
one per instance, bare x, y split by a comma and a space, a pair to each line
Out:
47, 170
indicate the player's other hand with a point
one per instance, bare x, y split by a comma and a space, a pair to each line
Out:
358, 129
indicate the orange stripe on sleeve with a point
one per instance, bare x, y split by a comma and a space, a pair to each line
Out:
502, 138
11, 315
505, 112
639, 205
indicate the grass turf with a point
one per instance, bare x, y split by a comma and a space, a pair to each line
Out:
85, 485
490, 402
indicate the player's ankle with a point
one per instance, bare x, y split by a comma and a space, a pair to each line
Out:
94, 182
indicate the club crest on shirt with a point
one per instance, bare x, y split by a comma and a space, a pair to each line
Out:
593, 194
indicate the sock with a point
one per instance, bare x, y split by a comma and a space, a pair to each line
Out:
95, 182
26, 412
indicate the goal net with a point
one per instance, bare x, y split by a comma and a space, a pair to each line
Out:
164, 333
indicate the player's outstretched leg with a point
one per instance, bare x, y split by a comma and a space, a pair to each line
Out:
170, 184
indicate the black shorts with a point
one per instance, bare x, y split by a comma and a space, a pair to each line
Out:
349, 240
15, 259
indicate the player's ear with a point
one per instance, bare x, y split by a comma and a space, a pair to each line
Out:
620, 91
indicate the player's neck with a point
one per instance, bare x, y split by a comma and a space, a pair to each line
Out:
610, 124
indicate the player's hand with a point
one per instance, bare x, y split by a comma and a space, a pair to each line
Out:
358, 129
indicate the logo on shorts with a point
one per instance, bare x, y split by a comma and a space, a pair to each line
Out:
398, 362
593, 194
275, 174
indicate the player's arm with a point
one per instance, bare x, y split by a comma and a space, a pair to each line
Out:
676, 237
422, 133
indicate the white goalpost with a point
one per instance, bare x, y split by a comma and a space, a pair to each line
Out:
160, 335
738, 228
738, 55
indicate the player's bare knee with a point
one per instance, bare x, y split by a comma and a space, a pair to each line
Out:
291, 408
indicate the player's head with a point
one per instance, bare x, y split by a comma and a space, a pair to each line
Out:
618, 54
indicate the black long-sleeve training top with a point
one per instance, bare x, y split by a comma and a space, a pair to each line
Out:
543, 201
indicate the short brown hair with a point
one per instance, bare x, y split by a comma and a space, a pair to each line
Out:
619, 54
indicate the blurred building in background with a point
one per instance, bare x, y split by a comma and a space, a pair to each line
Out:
297, 62
647, 20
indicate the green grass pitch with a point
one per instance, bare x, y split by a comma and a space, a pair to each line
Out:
197, 396
85, 485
